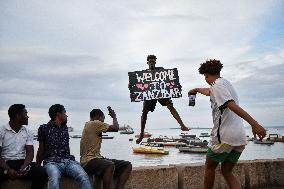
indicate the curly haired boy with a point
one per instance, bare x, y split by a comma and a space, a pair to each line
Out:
228, 137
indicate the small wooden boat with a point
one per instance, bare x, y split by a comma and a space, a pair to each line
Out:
107, 137
267, 142
198, 143
204, 135
194, 149
185, 135
76, 136
171, 143
151, 148
146, 135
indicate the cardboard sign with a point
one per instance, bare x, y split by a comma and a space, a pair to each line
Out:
154, 84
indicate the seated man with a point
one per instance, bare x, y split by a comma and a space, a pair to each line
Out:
54, 149
90, 147
17, 150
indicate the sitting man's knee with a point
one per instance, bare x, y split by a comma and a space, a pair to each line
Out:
110, 168
129, 167
53, 174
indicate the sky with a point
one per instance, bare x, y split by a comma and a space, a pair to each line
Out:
79, 53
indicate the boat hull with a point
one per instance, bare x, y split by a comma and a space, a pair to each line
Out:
142, 150
193, 149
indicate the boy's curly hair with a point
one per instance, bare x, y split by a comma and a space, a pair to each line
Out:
212, 67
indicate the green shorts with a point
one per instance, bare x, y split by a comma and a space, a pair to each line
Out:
224, 152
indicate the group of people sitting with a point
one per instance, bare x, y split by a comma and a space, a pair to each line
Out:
17, 151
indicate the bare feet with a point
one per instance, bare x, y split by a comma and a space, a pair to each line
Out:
139, 139
184, 128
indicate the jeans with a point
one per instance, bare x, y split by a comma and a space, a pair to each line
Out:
69, 167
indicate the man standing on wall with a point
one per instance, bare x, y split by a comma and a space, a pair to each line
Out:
149, 105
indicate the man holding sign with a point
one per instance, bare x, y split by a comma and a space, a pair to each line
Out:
163, 86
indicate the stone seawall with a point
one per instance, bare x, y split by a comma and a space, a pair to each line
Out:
254, 174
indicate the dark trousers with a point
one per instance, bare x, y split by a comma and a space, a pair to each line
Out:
36, 174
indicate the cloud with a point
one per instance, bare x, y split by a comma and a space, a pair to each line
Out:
79, 53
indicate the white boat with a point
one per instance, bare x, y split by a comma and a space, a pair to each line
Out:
195, 141
194, 149
276, 137
124, 127
70, 129
186, 135
127, 131
199, 143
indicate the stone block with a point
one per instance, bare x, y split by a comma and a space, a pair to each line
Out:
156, 177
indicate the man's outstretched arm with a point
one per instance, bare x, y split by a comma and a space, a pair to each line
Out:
256, 128
204, 91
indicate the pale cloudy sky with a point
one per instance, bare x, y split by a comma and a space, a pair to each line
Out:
78, 53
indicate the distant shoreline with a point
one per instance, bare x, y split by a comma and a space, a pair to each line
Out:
246, 126
193, 128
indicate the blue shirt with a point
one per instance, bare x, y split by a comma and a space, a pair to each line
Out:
56, 142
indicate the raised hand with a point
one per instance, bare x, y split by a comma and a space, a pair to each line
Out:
111, 112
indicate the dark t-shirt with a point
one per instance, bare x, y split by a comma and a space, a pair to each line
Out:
149, 105
56, 142
156, 69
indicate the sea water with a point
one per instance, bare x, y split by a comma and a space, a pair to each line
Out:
121, 148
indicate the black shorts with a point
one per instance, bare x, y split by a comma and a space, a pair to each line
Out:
149, 105
98, 166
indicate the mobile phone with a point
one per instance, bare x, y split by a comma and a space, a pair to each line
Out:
26, 169
191, 99
109, 109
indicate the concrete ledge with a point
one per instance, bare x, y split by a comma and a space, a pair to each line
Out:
153, 177
66, 183
252, 174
